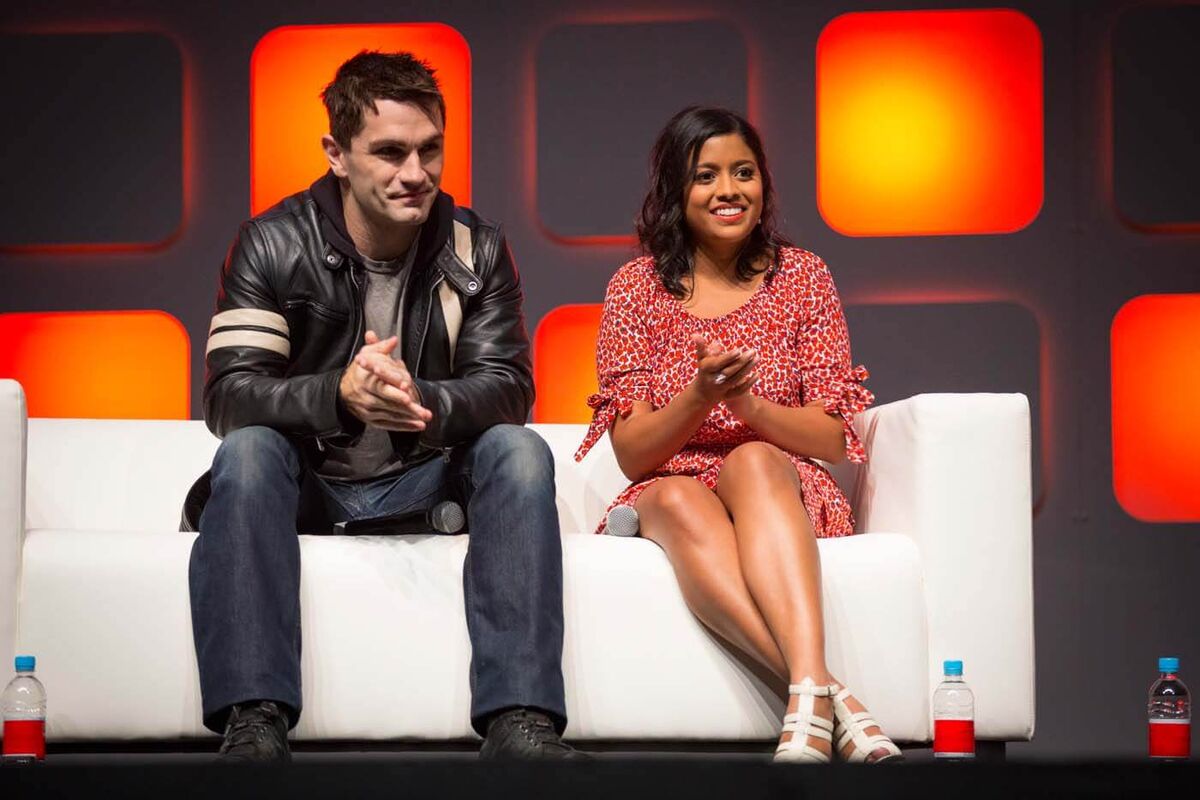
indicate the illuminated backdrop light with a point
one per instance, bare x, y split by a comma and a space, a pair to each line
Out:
564, 363
98, 364
1155, 397
292, 65
929, 122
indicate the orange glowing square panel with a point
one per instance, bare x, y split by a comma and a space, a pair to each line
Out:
564, 363
292, 65
98, 364
1155, 397
929, 122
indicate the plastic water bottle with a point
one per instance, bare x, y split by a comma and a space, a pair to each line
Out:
953, 716
1169, 713
24, 708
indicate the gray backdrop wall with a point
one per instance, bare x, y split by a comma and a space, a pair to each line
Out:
1028, 311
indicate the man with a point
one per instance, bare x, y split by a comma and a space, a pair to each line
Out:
368, 357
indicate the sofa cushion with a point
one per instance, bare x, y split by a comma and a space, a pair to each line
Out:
110, 474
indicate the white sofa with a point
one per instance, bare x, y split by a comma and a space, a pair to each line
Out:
93, 581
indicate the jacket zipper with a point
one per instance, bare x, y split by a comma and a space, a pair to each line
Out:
421, 348
358, 321
358, 313
425, 330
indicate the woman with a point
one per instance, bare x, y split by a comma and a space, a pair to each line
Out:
724, 369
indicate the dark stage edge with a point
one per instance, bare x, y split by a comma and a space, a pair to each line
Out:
693, 779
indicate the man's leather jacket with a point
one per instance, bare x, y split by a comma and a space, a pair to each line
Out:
289, 319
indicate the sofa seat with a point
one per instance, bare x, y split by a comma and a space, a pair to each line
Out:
107, 614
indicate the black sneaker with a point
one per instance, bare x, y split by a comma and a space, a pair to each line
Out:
255, 732
526, 735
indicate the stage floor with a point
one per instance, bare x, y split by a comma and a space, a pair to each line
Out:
611, 777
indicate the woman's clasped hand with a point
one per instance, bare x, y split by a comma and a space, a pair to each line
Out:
723, 374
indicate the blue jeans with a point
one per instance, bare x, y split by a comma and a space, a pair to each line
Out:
244, 573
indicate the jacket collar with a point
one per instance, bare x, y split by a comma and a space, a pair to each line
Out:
339, 247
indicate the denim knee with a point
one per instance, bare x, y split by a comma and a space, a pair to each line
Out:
250, 457
515, 456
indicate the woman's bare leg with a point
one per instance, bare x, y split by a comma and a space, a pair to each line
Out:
692, 526
684, 518
777, 550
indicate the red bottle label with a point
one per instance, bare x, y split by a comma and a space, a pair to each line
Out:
953, 737
25, 737
1170, 738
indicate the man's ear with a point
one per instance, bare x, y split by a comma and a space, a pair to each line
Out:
335, 155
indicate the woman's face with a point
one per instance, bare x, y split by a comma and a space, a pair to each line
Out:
725, 198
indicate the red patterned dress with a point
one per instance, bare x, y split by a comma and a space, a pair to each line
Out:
794, 321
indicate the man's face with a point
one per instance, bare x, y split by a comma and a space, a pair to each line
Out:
393, 165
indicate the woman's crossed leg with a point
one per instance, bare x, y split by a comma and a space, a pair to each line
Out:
747, 563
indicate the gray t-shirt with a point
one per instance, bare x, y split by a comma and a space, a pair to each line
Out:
372, 455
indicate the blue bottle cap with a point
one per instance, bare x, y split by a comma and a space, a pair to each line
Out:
26, 663
952, 667
1168, 664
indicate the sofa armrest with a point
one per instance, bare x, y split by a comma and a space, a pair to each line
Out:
12, 514
952, 471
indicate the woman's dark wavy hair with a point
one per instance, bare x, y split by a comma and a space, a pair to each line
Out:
662, 225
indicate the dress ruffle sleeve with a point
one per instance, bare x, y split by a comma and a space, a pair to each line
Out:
826, 373
623, 355
844, 399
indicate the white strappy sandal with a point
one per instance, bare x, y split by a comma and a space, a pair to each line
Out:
803, 723
851, 726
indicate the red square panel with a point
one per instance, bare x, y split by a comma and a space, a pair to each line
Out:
292, 65
929, 122
98, 364
564, 363
1155, 402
